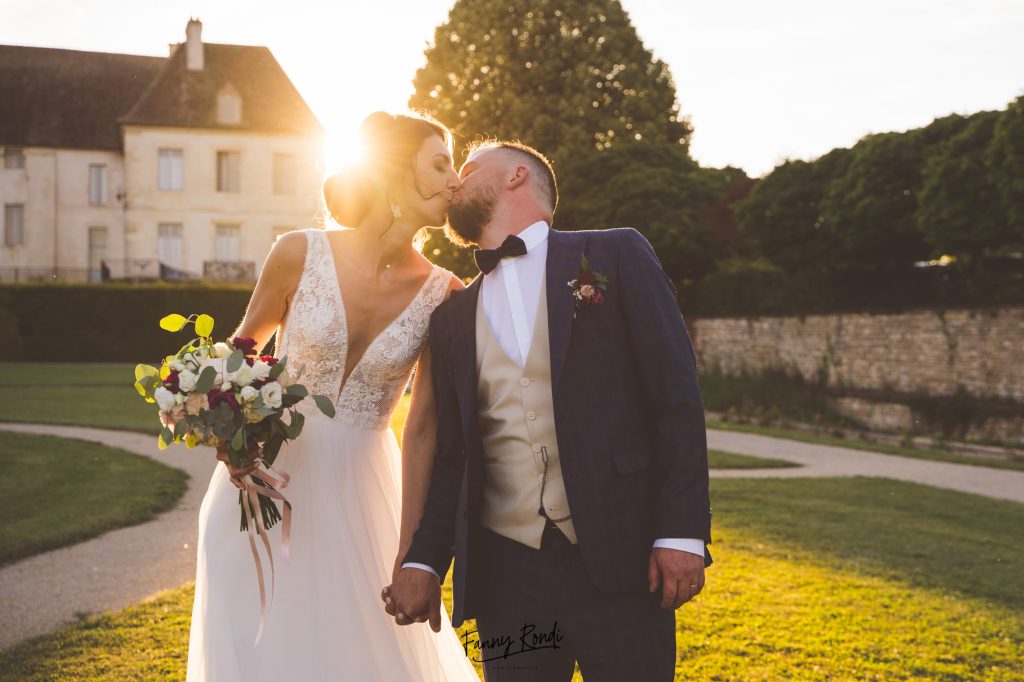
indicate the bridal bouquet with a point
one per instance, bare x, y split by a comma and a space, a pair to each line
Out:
223, 394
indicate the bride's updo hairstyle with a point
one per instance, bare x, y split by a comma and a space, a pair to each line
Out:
391, 142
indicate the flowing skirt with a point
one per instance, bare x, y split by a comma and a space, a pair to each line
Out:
326, 620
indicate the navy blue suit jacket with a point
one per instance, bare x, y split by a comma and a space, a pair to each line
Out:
628, 414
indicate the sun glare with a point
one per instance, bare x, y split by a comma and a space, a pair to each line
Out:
345, 148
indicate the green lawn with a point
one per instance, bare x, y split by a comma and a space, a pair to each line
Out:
814, 579
59, 491
100, 395
719, 459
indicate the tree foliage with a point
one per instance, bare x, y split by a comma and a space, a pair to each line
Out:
560, 75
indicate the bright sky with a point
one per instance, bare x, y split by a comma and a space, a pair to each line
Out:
761, 81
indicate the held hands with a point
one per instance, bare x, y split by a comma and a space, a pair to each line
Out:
236, 472
681, 574
414, 597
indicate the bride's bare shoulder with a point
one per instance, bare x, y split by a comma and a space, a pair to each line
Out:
287, 257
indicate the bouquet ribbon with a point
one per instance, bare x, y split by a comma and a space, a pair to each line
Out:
279, 480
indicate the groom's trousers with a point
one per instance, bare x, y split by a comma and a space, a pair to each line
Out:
540, 613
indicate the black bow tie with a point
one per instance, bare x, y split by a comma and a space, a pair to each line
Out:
487, 259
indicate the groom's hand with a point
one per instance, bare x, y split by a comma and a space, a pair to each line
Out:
414, 596
681, 575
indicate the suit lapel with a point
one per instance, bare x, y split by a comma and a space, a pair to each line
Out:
463, 339
565, 251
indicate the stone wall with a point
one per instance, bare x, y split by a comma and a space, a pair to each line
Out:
921, 352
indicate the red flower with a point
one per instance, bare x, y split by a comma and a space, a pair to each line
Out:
269, 359
171, 382
217, 396
244, 344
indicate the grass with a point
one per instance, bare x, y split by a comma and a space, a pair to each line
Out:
814, 579
97, 395
719, 459
59, 491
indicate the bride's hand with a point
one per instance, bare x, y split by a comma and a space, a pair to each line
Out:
236, 472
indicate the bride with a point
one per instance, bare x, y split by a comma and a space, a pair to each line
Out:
350, 309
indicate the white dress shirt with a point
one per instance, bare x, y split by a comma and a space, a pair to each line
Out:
511, 294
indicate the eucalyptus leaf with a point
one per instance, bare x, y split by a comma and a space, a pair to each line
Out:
276, 370
235, 361
166, 435
325, 404
239, 439
297, 390
205, 381
173, 322
295, 428
204, 325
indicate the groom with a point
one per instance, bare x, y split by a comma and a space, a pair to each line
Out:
571, 476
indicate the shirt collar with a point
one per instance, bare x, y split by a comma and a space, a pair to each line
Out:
535, 235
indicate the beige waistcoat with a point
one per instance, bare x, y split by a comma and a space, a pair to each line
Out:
517, 425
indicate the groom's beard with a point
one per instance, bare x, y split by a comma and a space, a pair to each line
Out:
467, 218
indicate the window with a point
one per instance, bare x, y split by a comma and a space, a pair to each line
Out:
97, 252
14, 158
97, 184
170, 244
229, 106
170, 170
14, 224
227, 246
284, 173
228, 169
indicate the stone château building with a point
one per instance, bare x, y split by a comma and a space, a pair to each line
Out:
124, 166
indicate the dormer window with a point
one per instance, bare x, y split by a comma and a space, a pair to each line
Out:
229, 106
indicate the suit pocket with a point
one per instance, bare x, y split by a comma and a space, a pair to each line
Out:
628, 461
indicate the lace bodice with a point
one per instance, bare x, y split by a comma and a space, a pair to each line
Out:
315, 342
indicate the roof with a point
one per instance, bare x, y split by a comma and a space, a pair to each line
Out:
68, 98
79, 100
179, 97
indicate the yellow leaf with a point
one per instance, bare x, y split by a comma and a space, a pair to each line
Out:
160, 443
204, 325
173, 322
191, 440
144, 371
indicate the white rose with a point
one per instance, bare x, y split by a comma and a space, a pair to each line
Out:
202, 352
187, 381
271, 393
249, 394
244, 375
221, 350
164, 398
226, 386
179, 399
176, 365
260, 370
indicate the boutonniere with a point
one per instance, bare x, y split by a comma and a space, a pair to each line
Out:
588, 288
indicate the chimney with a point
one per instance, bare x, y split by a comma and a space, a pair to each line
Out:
194, 45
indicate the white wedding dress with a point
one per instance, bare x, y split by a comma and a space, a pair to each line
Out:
326, 621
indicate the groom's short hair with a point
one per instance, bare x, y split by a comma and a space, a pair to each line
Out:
539, 164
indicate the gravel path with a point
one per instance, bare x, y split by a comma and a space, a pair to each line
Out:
125, 566
115, 569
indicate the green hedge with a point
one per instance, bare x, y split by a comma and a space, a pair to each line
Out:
108, 322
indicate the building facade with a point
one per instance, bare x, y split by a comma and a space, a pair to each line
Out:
129, 167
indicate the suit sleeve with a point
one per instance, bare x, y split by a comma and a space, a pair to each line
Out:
433, 543
666, 363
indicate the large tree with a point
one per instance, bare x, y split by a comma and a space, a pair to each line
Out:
569, 77
960, 210
1006, 157
560, 75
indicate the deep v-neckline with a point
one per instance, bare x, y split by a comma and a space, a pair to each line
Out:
340, 300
